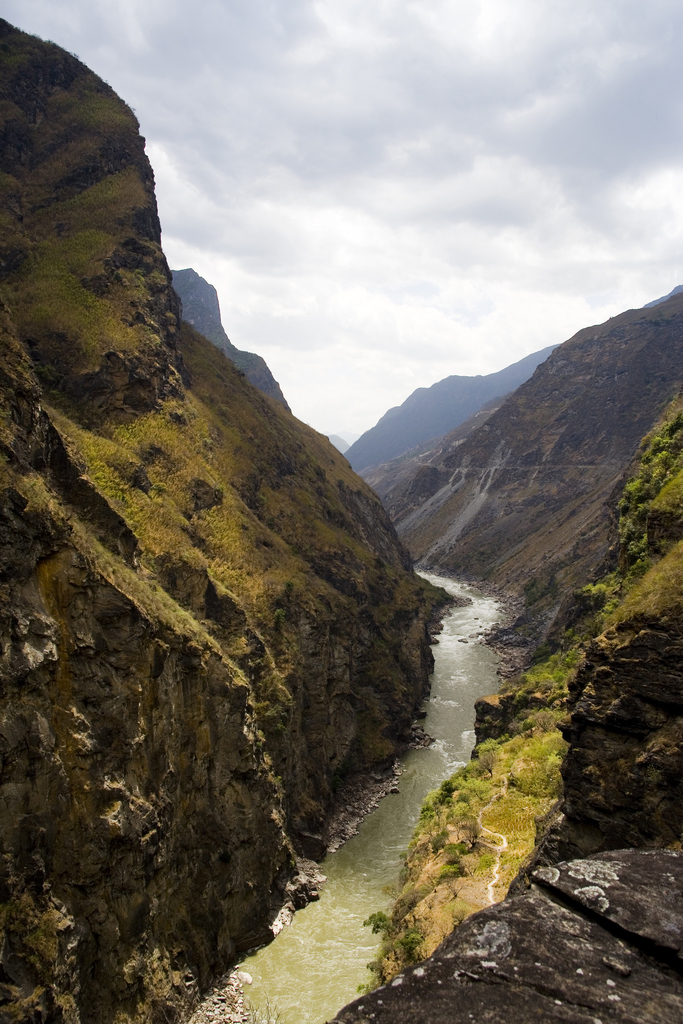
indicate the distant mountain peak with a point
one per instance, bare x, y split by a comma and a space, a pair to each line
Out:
431, 412
656, 302
202, 310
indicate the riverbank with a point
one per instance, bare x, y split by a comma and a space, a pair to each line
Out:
317, 963
474, 833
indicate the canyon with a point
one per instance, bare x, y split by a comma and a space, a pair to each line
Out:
209, 626
207, 620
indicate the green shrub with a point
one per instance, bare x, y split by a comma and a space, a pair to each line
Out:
409, 944
454, 851
379, 922
449, 871
439, 841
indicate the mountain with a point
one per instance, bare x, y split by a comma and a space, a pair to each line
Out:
599, 897
404, 482
207, 622
656, 302
431, 412
202, 310
527, 500
339, 443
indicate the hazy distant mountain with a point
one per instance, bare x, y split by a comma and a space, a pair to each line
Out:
431, 412
655, 302
201, 309
339, 443
347, 435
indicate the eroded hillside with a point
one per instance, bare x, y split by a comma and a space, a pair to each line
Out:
207, 621
528, 500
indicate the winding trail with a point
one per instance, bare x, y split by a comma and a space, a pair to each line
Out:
499, 849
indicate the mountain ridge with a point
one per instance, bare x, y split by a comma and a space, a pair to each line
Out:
527, 500
206, 618
201, 309
432, 412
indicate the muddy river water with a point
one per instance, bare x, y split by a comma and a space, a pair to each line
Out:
316, 964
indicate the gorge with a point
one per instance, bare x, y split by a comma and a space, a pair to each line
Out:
210, 629
206, 618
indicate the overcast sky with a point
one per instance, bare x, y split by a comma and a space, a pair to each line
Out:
385, 192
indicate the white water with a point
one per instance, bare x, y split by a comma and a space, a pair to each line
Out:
315, 966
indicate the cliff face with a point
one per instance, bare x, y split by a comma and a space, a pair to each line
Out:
593, 940
622, 775
406, 482
206, 618
528, 498
202, 311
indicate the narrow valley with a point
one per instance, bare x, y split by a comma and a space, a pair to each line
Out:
316, 964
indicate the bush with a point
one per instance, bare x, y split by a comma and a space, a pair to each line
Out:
450, 871
379, 922
439, 841
406, 902
487, 761
279, 618
445, 791
454, 851
409, 944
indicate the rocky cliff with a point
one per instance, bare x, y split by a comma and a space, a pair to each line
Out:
622, 774
602, 889
593, 940
528, 500
202, 311
207, 621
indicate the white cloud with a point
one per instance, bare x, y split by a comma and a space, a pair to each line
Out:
387, 193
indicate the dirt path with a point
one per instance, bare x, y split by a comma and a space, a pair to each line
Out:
499, 849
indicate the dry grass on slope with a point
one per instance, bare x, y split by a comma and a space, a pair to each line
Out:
474, 833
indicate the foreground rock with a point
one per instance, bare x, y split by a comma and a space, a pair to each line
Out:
591, 941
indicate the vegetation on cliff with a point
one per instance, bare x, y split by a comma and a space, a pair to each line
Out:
618, 654
206, 618
473, 834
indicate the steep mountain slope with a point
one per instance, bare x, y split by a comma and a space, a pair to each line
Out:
206, 620
202, 311
432, 412
527, 500
622, 775
542, 953
411, 478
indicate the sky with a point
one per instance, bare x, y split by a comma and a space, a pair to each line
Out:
386, 192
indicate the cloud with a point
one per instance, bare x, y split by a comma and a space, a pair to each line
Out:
387, 193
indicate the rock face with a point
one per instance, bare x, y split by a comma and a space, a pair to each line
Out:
529, 497
623, 778
206, 618
406, 482
432, 412
593, 940
202, 311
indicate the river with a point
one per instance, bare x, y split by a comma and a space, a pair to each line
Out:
314, 967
